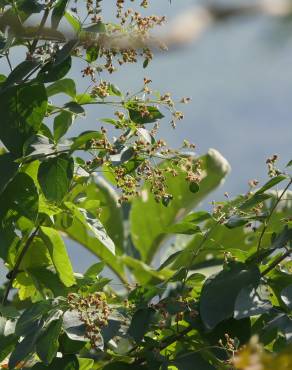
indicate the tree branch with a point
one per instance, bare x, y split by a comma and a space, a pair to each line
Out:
15, 270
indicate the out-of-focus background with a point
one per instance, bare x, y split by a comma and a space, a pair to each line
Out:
239, 76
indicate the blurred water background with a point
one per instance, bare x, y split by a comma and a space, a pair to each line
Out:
239, 76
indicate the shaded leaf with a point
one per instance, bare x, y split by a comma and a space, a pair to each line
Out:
8, 169
220, 291
252, 301
62, 123
55, 176
47, 345
140, 323
192, 361
58, 12
53, 72
286, 296
22, 109
20, 198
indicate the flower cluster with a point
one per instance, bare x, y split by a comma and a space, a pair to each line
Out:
93, 311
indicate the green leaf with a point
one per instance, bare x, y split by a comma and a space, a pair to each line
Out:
183, 228
58, 13
85, 363
22, 109
24, 348
75, 108
7, 344
98, 27
69, 346
32, 314
93, 225
286, 296
66, 86
94, 270
20, 71
169, 260
236, 221
144, 273
20, 198
252, 301
65, 52
28, 7
47, 345
220, 291
92, 54
8, 169
59, 256
62, 123
73, 21
84, 138
55, 176
36, 256
271, 183
192, 361
123, 156
110, 216
254, 201
114, 90
67, 362
289, 164
137, 117
140, 323
150, 219
53, 72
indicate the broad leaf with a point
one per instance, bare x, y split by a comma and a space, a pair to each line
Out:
140, 118
31, 315
65, 86
21, 71
55, 176
84, 138
22, 109
58, 12
252, 301
62, 123
59, 256
47, 345
53, 72
20, 198
140, 323
220, 292
67, 362
150, 219
286, 296
93, 224
110, 216
8, 169
192, 361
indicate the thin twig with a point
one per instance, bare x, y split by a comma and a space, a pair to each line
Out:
42, 24
270, 215
276, 262
15, 270
8, 61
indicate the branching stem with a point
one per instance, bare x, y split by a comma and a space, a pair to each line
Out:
15, 270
